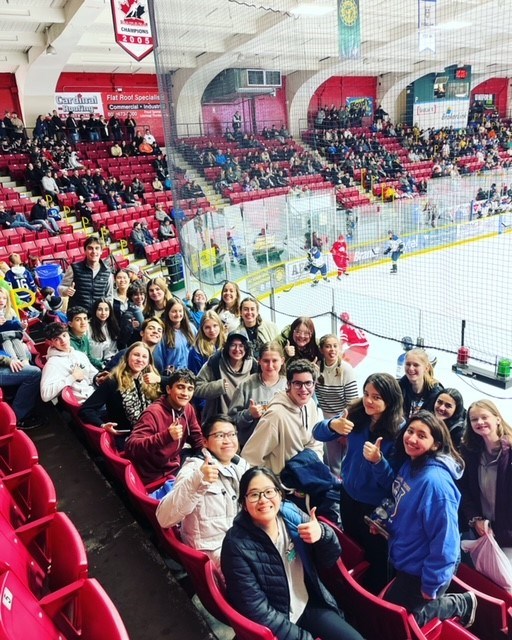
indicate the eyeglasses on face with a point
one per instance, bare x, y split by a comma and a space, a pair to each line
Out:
302, 334
255, 496
223, 435
298, 384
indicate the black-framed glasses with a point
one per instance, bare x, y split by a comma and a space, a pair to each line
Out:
224, 435
255, 496
298, 384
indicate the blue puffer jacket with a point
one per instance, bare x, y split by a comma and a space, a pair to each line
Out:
255, 577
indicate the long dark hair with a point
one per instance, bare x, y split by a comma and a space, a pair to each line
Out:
439, 432
389, 423
245, 481
111, 324
311, 350
459, 413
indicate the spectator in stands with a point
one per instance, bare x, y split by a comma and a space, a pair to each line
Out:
114, 127
20, 277
118, 403
419, 386
157, 296
103, 331
166, 230
369, 428
223, 372
210, 338
148, 235
485, 485
260, 574
120, 301
138, 240
336, 388
156, 442
150, 333
72, 129
26, 378
65, 366
82, 210
205, 494
116, 151
229, 306
12, 220
89, 279
299, 341
196, 304
78, 327
50, 187
160, 212
252, 325
448, 406
130, 320
286, 427
39, 216
179, 335
252, 396
191, 190
130, 126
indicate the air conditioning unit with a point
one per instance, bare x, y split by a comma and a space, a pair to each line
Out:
261, 78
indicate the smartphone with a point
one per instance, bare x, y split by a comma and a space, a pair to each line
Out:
122, 431
378, 526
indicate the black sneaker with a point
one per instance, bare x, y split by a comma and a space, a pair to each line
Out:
31, 422
469, 617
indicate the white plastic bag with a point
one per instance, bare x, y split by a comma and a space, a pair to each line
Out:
490, 560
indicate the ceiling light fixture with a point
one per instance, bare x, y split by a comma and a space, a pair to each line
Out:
311, 10
50, 49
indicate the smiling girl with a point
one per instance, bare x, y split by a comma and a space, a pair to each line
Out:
157, 296
424, 539
370, 427
418, 385
229, 306
124, 393
252, 397
104, 331
179, 334
487, 481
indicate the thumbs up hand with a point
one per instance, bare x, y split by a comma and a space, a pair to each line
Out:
372, 452
341, 424
70, 291
311, 531
209, 469
255, 410
289, 349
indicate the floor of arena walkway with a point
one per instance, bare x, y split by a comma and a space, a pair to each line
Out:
121, 555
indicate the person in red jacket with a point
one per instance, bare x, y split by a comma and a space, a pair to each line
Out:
156, 442
353, 341
340, 256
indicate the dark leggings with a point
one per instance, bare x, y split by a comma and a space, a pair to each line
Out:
326, 624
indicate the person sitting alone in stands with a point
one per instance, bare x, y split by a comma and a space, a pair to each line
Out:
65, 366
138, 240
156, 443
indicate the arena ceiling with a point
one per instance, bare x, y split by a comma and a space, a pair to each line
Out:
285, 35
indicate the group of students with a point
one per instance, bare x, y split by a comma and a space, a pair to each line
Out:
211, 402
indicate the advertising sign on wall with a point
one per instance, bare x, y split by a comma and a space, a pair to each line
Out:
441, 113
79, 103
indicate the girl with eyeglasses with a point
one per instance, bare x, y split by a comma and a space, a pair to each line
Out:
299, 341
369, 428
205, 494
270, 560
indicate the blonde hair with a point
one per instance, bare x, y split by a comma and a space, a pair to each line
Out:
9, 312
122, 374
475, 442
202, 344
429, 381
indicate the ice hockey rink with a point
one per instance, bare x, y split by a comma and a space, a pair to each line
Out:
429, 297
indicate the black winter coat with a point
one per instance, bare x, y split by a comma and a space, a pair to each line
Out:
256, 581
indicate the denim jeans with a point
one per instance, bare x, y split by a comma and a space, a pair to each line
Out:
28, 381
406, 591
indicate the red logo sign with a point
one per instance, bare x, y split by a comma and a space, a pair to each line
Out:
132, 28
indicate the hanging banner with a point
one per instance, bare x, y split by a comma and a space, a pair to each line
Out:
349, 28
426, 25
132, 29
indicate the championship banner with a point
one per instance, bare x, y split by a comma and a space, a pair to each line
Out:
349, 28
426, 24
132, 29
